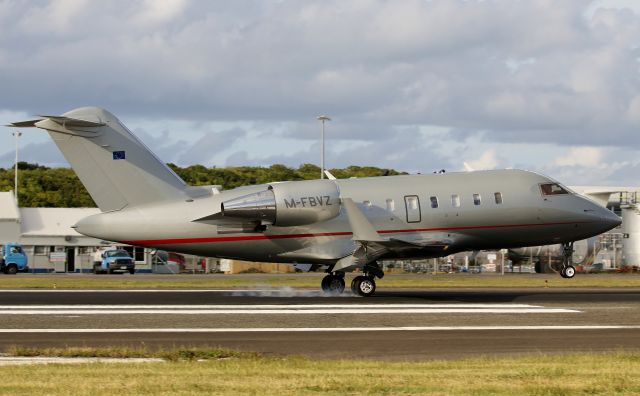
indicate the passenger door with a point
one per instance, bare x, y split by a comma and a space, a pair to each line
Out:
412, 206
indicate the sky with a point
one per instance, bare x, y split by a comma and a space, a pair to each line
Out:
544, 85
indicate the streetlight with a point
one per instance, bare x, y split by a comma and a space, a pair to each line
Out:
15, 181
322, 119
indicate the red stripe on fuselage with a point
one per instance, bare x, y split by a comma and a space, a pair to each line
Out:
179, 241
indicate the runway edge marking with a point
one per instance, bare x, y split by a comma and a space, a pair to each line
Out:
364, 311
323, 329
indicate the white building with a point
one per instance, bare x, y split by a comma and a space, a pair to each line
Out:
50, 242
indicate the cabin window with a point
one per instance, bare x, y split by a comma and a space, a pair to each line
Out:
391, 205
434, 202
498, 197
477, 200
455, 200
553, 189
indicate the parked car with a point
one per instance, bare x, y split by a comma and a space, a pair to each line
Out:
116, 260
594, 268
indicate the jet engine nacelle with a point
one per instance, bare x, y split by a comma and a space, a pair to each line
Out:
288, 204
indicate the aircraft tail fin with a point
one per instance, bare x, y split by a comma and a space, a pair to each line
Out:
116, 168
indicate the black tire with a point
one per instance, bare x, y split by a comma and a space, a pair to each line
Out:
11, 269
355, 283
364, 286
132, 271
332, 284
109, 271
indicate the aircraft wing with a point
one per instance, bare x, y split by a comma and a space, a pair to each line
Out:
371, 245
329, 251
366, 244
363, 231
397, 244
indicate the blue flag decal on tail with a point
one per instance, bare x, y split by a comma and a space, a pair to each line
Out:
118, 155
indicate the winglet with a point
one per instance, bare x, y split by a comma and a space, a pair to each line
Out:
329, 175
361, 227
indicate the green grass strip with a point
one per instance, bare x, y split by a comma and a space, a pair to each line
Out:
218, 281
575, 374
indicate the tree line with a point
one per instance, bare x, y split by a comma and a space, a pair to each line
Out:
41, 186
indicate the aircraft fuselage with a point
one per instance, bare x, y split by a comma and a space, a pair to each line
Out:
475, 211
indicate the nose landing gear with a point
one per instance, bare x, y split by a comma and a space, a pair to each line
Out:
568, 270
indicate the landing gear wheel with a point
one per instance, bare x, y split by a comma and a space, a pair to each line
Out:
364, 286
333, 284
568, 272
562, 273
354, 284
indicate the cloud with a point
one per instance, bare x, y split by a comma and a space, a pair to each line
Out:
155, 11
581, 156
45, 153
204, 150
488, 160
498, 74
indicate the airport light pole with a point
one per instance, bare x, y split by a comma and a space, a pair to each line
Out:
15, 181
322, 119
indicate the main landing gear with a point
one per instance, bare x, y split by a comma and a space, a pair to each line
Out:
333, 284
568, 270
362, 285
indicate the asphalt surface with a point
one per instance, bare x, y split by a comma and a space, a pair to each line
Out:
394, 324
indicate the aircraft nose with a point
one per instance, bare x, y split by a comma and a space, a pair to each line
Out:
610, 219
602, 218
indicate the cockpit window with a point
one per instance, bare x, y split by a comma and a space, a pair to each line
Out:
553, 189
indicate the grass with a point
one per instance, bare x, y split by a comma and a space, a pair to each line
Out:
86, 281
241, 373
173, 354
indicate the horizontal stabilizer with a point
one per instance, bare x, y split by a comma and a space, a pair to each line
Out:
75, 122
23, 124
66, 122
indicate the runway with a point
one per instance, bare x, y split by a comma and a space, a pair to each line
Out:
395, 324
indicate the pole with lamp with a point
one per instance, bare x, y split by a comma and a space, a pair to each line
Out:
322, 119
15, 181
